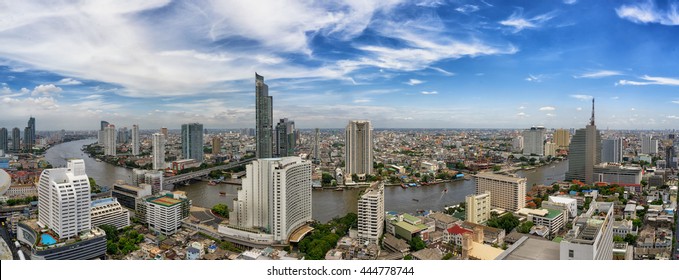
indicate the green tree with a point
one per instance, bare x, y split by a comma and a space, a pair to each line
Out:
447, 256
525, 227
221, 210
617, 238
408, 257
497, 168
506, 222
417, 244
631, 239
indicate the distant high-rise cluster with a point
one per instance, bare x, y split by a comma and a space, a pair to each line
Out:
584, 153
359, 148
649, 146
192, 141
317, 145
263, 118
16, 140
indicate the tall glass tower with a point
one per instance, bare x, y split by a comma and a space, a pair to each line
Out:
264, 118
192, 141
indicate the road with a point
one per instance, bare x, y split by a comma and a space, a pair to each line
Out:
675, 253
8, 239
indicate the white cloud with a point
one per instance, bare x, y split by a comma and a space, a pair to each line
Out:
570, 2
46, 90
413, 82
675, 101
550, 115
648, 13
582, 97
522, 115
362, 100
518, 22
547, 108
466, 9
534, 78
615, 97
429, 92
444, 72
598, 74
522, 107
68, 82
673, 117
650, 81
578, 109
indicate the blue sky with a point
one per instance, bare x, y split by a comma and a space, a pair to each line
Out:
400, 64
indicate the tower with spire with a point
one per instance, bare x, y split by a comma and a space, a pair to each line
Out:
584, 153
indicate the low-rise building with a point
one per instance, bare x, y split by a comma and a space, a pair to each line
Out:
163, 213
127, 195
45, 244
107, 211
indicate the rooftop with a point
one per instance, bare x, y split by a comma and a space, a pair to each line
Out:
411, 228
505, 178
527, 248
166, 200
103, 201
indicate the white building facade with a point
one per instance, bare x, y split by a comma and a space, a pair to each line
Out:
358, 148
506, 192
108, 211
158, 142
371, 215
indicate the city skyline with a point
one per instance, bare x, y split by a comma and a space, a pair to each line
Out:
401, 64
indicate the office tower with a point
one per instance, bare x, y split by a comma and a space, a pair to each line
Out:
317, 145
517, 144
104, 124
533, 141
592, 235
122, 135
670, 156
128, 195
584, 153
264, 118
550, 149
611, 150
110, 140
285, 138
192, 141
100, 133
29, 135
64, 196
158, 142
649, 146
164, 213
216, 145
371, 214
16, 140
506, 192
135, 140
108, 211
4, 142
138, 177
275, 195
562, 138
163, 130
358, 148
478, 208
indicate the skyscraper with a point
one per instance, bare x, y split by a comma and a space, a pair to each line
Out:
275, 196
29, 135
264, 118
101, 135
317, 145
216, 145
16, 140
517, 144
110, 140
135, 140
506, 192
562, 138
670, 156
371, 214
163, 130
285, 138
533, 141
4, 142
649, 145
64, 195
122, 135
192, 141
584, 153
611, 150
358, 148
103, 124
158, 141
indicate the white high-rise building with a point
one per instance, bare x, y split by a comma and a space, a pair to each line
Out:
359, 148
533, 141
135, 140
478, 208
275, 195
371, 214
506, 192
158, 151
517, 144
592, 235
64, 199
648, 145
110, 140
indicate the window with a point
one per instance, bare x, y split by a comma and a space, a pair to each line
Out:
570, 253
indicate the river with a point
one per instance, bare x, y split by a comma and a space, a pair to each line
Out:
326, 204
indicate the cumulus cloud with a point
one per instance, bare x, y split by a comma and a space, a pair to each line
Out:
518, 22
547, 108
582, 97
648, 80
413, 82
522, 115
648, 13
429, 92
570, 2
598, 74
68, 82
46, 90
578, 109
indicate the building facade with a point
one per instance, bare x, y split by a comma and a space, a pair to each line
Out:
358, 148
4, 141
110, 140
478, 207
136, 142
164, 213
533, 141
16, 140
285, 138
158, 142
592, 235
192, 141
107, 211
649, 146
264, 118
584, 153
562, 138
617, 174
64, 199
128, 195
371, 214
611, 150
506, 192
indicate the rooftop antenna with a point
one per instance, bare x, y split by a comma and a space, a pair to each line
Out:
591, 120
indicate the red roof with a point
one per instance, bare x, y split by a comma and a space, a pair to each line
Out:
458, 230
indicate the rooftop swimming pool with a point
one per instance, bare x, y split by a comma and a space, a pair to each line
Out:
47, 239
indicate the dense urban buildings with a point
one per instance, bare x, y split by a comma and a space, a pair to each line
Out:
359, 148
317, 145
584, 153
275, 195
478, 207
617, 174
533, 141
371, 214
264, 118
216, 145
192, 141
506, 192
649, 146
285, 138
592, 235
158, 143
